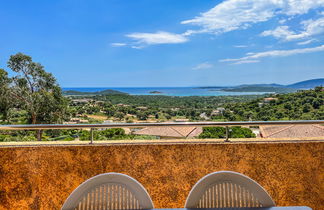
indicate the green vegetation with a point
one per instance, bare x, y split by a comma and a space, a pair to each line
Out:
156, 92
103, 92
70, 135
154, 107
302, 105
32, 96
260, 89
220, 132
111, 134
33, 91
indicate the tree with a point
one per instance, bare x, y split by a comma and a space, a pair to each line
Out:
119, 115
220, 132
5, 102
36, 91
318, 89
213, 132
239, 132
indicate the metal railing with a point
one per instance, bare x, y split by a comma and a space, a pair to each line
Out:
92, 127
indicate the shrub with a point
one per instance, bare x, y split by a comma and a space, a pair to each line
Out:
220, 132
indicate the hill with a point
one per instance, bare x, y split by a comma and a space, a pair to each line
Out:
301, 105
103, 92
262, 85
274, 88
252, 88
307, 84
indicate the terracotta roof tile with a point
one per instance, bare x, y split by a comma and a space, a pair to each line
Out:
287, 131
179, 132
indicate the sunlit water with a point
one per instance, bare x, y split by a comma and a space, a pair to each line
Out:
167, 91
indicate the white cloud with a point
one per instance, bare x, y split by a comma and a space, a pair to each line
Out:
246, 61
240, 46
298, 7
230, 15
273, 53
201, 66
118, 44
281, 32
282, 21
159, 37
137, 47
191, 32
306, 42
240, 14
310, 28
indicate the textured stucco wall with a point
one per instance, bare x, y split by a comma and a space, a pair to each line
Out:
43, 177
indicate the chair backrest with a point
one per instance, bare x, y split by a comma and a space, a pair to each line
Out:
227, 189
109, 191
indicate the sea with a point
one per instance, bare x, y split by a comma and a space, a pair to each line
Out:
166, 91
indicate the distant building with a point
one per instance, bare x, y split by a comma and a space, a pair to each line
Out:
172, 132
76, 120
81, 101
181, 120
69, 123
131, 115
291, 131
218, 111
122, 105
107, 121
204, 116
142, 107
267, 100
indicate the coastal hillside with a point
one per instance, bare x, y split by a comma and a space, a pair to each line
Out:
301, 105
103, 92
307, 84
252, 88
273, 88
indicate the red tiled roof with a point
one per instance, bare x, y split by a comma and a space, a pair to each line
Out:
286, 131
179, 132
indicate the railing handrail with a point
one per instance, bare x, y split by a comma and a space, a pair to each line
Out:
163, 124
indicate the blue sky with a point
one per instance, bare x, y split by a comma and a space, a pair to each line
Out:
151, 43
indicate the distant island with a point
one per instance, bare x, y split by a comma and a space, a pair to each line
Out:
211, 87
260, 89
243, 89
271, 88
155, 92
307, 84
103, 92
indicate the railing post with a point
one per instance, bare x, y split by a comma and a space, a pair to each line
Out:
227, 134
91, 135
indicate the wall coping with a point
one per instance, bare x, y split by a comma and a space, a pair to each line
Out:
161, 142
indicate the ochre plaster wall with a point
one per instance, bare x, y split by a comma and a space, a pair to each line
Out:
43, 177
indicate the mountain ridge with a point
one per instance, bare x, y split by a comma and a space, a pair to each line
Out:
273, 87
307, 83
102, 92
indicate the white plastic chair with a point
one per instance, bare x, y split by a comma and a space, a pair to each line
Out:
225, 189
109, 191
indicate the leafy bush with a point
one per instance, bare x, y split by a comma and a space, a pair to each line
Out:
220, 132
213, 132
238, 132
